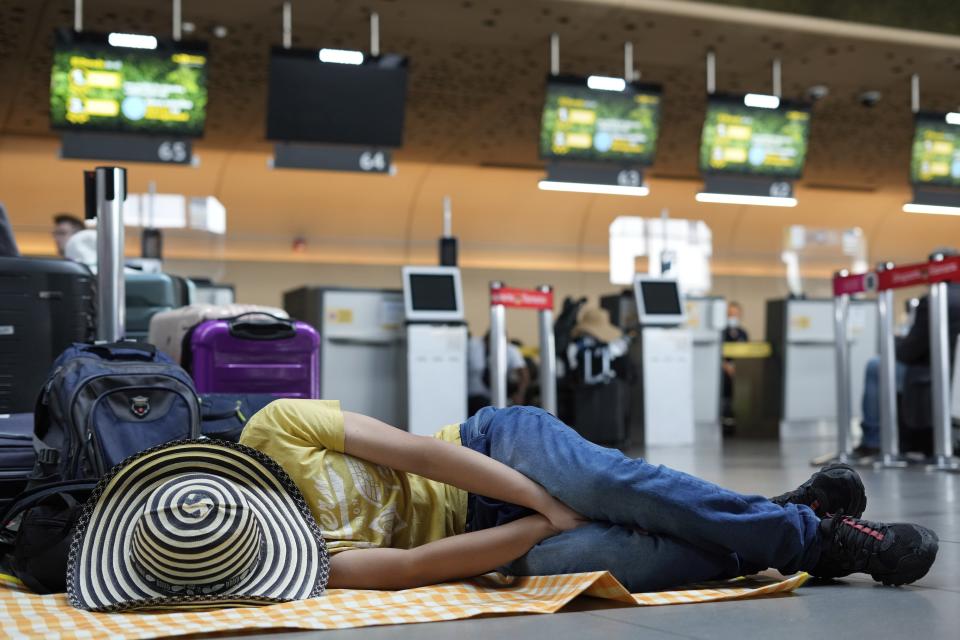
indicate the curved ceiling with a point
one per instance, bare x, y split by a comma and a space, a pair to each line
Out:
476, 88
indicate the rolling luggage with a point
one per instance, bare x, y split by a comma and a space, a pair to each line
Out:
168, 329
45, 306
105, 402
16, 455
246, 354
147, 294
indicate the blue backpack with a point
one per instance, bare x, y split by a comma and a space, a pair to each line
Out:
105, 402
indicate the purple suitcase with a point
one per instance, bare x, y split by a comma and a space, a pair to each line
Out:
254, 354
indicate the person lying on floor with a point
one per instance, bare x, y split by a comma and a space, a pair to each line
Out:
516, 490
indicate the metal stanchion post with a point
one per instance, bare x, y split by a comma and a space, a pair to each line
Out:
548, 359
889, 439
943, 459
498, 351
841, 310
111, 191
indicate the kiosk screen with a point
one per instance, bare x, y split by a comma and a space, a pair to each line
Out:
754, 141
99, 86
433, 292
936, 152
313, 101
661, 298
580, 123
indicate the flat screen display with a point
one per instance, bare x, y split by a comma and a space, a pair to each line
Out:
661, 298
313, 101
580, 123
95, 86
754, 141
433, 292
935, 159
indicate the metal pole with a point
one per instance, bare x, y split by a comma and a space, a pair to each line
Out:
889, 438
374, 34
711, 72
548, 358
915, 93
841, 310
940, 376
554, 54
447, 217
628, 61
287, 25
177, 20
498, 351
777, 89
111, 192
78, 15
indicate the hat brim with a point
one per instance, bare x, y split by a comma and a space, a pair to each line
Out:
101, 576
603, 332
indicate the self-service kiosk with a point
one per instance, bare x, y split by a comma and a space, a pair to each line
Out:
666, 362
436, 348
706, 320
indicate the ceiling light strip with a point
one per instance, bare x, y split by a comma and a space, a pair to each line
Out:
584, 187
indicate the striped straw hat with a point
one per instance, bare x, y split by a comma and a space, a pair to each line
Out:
195, 524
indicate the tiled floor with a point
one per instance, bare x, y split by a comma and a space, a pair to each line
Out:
855, 608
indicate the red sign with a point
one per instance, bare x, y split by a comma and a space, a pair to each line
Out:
522, 298
850, 285
909, 275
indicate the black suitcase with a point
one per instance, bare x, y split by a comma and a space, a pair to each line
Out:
45, 306
16, 455
600, 413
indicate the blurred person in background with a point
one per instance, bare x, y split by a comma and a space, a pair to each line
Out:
8, 245
64, 226
913, 379
478, 374
734, 332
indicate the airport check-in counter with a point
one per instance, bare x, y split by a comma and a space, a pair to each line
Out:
362, 360
801, 374
706, 319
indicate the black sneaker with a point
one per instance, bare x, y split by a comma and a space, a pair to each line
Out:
893, 554
835, 489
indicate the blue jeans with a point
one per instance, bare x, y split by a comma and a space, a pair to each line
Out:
653, 527
871, 401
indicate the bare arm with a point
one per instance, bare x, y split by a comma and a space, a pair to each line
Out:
377, 442
463, 556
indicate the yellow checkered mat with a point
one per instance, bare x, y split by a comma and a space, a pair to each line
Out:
26, 615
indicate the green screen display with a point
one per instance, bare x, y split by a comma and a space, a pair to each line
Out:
936, 152
748, 140
98, 87
580, 123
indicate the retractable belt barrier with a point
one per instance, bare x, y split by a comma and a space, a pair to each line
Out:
883, 281
540, 299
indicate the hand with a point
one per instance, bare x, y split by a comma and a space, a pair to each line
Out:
561, 517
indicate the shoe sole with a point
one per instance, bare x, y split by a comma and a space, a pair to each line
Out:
914, 566
860, 497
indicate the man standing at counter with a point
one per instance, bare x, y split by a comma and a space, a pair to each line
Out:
733, 333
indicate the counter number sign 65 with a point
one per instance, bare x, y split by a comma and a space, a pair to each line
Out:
173, 152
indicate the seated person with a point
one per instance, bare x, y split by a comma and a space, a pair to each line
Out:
515, 489
913, 364
478, 374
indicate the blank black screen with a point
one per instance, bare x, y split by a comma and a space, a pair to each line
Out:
433, 292
313, 101
660, 298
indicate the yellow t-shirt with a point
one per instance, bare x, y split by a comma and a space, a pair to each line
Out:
357, 504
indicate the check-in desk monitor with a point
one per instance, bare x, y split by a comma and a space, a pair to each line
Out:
436, 348
659, 301
432, 294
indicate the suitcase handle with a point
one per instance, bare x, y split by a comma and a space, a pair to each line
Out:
277, 329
